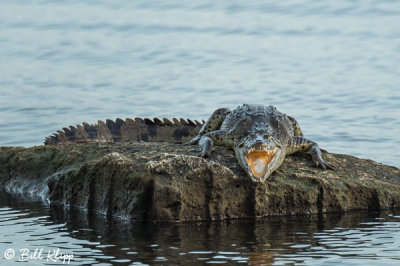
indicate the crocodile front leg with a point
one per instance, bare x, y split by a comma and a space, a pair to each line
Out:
213, 123
218, 137
298, 143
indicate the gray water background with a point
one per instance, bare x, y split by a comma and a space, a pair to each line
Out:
333, 65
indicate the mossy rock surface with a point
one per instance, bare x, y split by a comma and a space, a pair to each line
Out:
167, 182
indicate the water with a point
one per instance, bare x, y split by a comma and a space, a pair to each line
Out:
333, 65
358, 238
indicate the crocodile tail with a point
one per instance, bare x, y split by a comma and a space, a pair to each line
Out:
138, 129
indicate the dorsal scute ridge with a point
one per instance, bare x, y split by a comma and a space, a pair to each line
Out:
176, 121
137, 129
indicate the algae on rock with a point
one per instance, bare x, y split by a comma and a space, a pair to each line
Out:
167, 182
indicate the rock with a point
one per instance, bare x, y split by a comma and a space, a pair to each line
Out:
167, 182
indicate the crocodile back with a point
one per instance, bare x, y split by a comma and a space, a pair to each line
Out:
241, 121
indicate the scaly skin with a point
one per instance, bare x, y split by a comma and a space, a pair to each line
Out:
261, 137
156, 130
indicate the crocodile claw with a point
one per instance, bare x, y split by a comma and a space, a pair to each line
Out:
329, 167
317, 158
322, 164
203, 154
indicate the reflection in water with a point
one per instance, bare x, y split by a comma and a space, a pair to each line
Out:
358, 237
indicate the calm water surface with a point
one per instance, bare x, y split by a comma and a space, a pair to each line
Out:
334, 65
358, 238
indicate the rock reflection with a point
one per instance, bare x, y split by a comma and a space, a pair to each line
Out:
289, 239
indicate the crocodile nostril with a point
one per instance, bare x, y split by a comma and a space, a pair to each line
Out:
259, 142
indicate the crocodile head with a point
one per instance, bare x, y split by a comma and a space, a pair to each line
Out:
260, 154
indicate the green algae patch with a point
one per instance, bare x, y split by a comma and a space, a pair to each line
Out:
167, 182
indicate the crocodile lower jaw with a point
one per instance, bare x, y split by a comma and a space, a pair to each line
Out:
258, 161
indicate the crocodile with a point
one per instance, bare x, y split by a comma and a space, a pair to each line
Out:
138, 129
260, 136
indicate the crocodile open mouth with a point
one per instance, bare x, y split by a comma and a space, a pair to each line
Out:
258, 160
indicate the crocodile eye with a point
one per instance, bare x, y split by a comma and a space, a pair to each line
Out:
268, 136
